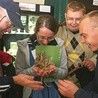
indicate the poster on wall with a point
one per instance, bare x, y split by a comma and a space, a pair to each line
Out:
95, 2
31, 23
31, 1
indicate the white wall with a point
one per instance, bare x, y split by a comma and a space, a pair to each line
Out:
31, 1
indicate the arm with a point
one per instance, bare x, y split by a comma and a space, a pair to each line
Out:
90, 59
70, 90
22, 62
23, 80
5, 83
81, 93
27, 81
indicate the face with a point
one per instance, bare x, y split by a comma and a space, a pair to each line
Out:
5, 25
44, 36
73, 19
89, 35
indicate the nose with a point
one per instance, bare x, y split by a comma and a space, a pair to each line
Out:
45, 42
9, 29
74, 21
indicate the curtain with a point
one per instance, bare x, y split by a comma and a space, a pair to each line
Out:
59, 8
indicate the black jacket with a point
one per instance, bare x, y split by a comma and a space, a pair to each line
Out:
91, 90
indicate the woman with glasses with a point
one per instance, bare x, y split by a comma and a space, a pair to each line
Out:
45, 29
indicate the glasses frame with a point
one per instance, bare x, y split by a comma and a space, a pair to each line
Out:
73, 19
41, 38
2, 18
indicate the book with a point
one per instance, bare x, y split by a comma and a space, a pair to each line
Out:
47, 55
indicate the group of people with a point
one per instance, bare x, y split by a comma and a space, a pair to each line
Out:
10, 17
77, 38
77, 54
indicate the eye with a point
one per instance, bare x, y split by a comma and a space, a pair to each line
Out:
84, 36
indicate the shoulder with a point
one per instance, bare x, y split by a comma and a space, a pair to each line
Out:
59, 41
23, 42
62, 32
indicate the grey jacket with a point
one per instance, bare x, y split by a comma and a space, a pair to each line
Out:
23, 66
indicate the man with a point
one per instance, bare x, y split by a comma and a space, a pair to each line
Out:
9, 17
89, 35
77, 53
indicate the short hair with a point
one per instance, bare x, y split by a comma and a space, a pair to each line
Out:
93, 17
47, 21
76, 6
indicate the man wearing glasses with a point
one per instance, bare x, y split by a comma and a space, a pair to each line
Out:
10, 17
77, 53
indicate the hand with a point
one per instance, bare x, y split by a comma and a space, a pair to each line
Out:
28, 81
89, 64
44, 72
67, 88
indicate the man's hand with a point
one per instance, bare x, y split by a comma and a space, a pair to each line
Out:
28, 81
67, 88
89, 64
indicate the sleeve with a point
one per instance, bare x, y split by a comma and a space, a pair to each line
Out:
87, 92
90, 55
93, 58
5, 83
81, 93
22, 61
90, 86
62, 33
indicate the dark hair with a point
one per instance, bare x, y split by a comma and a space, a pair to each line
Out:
47, 21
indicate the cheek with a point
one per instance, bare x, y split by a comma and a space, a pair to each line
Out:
69, 26
95, 41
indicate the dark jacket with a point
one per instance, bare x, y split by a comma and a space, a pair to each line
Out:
7, 87
6, 80
91, 90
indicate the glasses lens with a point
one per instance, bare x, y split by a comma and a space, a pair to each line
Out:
45, 38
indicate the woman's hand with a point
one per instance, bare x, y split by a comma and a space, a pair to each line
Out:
45, 71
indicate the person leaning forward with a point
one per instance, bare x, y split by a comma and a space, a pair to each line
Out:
9, 17
88, 28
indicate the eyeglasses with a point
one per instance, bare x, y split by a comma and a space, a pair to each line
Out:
10, 25
73, 19
39, 37
2, 18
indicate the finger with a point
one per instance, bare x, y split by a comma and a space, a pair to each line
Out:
30, 77
91, 68
35, 70
62, 92
35, 86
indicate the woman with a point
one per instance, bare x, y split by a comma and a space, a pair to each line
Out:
45, 29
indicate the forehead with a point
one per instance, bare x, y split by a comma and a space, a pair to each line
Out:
74, 13
87, 26
45, 31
